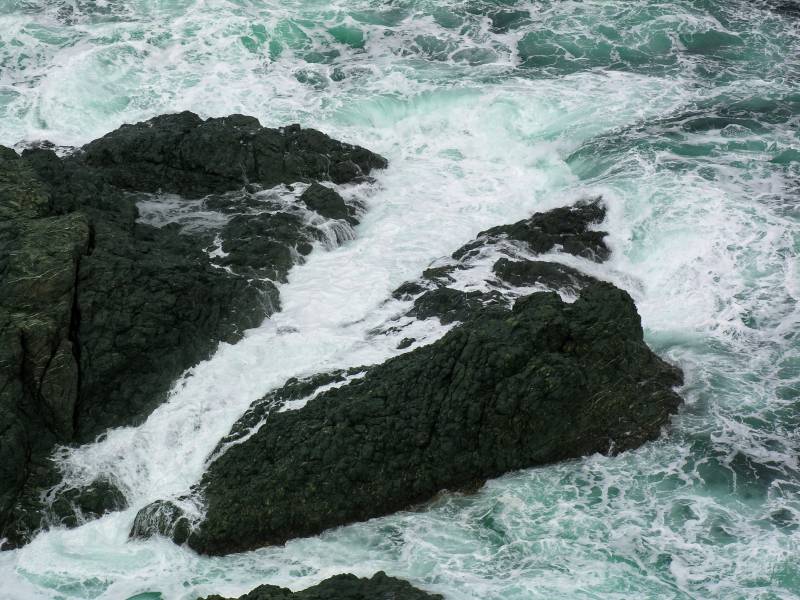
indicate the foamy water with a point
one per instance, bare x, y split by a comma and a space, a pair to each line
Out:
482, 125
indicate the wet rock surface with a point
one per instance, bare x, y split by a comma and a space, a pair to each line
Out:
328, 203
39, 366
342, 587
72, 506
442, 293
99, 311
526, 379
527, 273
568, 229
184, 154
163, 516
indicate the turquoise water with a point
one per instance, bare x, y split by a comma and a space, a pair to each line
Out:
683, 114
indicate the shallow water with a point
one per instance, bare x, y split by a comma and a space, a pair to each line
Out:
684, 115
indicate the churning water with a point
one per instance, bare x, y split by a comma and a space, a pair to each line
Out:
683, 114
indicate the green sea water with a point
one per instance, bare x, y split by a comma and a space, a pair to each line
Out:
683, 114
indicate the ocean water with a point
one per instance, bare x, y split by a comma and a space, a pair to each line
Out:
683, 114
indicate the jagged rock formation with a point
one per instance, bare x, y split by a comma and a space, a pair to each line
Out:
342, 587
186, 155
512, 387
524, 380
99, 312
568, 230
39, 371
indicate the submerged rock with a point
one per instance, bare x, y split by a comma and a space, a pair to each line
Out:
62, 505
99, 311
328, 203
342, 587
74, 506
162, 516
510, 388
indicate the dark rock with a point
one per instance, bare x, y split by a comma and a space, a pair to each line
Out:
565, 229
533, 272
99, 315
508, 389
342, 587
451, 305
39, 368
74, 506
61, 505
293, 389
405, 343
181, 153
345, 171
440, 275
328, 203
408, 290
266, 244
99, 311
162, 517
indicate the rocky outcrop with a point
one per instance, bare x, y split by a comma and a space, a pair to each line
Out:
510, 388
165, 517
451, 293
526, 379
39, 367
99, 311
342, 587
186, 155
567, 229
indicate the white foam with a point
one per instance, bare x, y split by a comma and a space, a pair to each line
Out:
705, 249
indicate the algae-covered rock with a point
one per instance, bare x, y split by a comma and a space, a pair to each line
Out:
342, 587
39, 367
